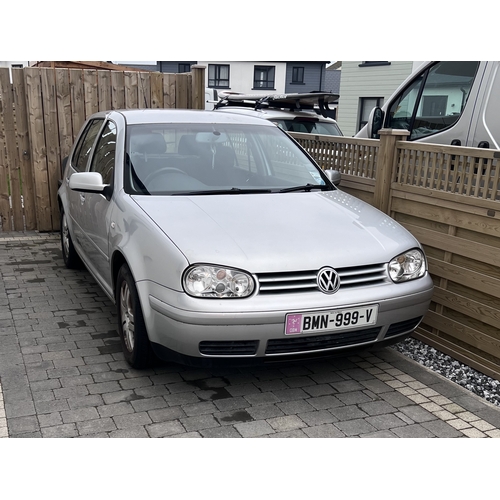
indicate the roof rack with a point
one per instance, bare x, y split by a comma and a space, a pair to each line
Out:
317, 101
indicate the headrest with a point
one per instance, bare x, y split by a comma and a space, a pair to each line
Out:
148, 144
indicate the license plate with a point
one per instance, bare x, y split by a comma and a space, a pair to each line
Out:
331, 321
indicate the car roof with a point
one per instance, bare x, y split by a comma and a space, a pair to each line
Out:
143, 116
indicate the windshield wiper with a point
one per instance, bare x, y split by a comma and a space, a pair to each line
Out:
233, 190
306, 187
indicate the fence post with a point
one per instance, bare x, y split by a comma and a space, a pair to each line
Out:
198, 88
385, 162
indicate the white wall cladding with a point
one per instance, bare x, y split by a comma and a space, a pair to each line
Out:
366, 81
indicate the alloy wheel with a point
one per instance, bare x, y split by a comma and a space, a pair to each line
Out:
65, 235
127, 316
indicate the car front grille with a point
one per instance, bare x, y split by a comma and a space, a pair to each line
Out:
229, 347
318, 342
306, 281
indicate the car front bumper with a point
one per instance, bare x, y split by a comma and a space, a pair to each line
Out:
255, 327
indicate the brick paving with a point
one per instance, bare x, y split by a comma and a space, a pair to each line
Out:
62, 374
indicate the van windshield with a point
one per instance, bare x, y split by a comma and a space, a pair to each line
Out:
435, 99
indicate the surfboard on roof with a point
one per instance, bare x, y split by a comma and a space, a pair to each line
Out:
306, 100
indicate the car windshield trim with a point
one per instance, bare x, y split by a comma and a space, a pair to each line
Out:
233, 190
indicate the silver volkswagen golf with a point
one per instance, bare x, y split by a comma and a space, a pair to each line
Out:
217, 236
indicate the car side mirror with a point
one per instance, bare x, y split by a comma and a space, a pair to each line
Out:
334, 176
375, 123
89, 182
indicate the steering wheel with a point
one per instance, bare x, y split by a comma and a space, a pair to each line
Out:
156, 173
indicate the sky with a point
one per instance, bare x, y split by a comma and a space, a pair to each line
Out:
256, 30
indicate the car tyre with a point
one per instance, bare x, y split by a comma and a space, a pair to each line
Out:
131, 326
71, 258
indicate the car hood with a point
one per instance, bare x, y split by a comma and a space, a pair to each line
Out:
278, 231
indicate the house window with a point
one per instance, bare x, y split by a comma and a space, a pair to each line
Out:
298, 75
263, 77
366, 104
218, 75
184, 68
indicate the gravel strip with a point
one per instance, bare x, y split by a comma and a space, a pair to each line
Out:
463, 375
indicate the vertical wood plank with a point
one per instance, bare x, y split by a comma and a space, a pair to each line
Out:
495, 181
169, 84
12, 158
5, 211
181, 93
91, 102
104, 89
189, 91
38, 149
130, 89
24, 149
77, 100
156, 80
486, 180
49, 103
143, 90
64, 112
117, 90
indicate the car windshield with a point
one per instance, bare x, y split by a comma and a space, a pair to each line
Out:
308, 126
181, 158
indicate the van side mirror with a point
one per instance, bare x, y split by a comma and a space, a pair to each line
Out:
375, 123
334, 176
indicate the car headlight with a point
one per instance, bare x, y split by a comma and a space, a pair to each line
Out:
217, 282
407, 266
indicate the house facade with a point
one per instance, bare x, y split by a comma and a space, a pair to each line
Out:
252, 77
364, 85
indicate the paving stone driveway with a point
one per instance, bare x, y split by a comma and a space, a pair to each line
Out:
62, 374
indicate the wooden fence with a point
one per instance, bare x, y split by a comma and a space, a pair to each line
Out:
41, 112
449, 198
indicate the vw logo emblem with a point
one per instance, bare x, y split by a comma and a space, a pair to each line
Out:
328, 280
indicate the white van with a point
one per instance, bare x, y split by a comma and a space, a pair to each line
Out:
211, 98
445, 102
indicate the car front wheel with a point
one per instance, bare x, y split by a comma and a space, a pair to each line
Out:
131, 326
70, 257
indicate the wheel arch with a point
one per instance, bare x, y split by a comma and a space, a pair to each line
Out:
117, 262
